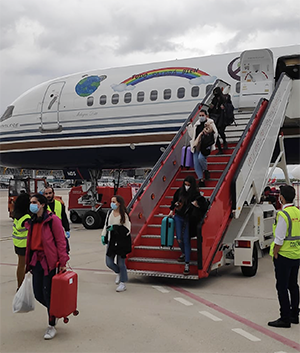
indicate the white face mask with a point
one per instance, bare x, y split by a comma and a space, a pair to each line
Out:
279, 199
186, 187
202, 119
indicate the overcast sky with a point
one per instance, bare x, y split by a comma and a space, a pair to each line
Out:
43, 39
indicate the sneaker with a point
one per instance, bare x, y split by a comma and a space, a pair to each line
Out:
50, 333
117, 281
186, 269
181, 258
206, 174
121, 287
219, 152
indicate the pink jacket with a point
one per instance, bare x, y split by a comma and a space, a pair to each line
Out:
54, 242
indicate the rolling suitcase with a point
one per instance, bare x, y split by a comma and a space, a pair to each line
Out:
187, 157
167, 232
63, 301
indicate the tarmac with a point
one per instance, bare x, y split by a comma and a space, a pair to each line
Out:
225, 312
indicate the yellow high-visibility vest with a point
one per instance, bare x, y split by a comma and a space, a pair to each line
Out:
291, 245
19, 233
57, 209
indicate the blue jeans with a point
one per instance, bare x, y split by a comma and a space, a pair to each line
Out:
183, 236
118, 267
200, 163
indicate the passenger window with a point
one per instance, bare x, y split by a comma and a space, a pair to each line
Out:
208, 88
140, 96
102, 100
195, 91
90, 101
153, 95
127, 97
115, 98
167, 93
181, 92
238, 87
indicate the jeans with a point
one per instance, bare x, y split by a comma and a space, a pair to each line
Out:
118, 267
200, 163
183, 236
42, 288
286, 273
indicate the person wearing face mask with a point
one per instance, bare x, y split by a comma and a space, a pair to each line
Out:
46, 246
181, 206
200, 154
217, 113
285, 251
116, 234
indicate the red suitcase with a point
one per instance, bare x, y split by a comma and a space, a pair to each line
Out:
63, 301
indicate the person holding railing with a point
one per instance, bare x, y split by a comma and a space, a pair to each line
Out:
203, 137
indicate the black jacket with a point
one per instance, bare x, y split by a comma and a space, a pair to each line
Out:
119, 242
183, 209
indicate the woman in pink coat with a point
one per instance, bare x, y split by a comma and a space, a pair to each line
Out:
46, 246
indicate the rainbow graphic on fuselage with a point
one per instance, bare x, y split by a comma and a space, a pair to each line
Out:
195, 77
185, 72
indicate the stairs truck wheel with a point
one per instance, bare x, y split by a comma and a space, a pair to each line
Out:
74, 217
91, 220
251, 271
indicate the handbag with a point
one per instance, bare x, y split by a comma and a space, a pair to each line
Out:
24, 301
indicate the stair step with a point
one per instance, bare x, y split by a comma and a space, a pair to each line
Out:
145, 247
162, 274
159, 261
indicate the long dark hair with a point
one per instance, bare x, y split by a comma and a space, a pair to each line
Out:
21, 206
122, 208
184, 195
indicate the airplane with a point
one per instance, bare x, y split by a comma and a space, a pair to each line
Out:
124, 117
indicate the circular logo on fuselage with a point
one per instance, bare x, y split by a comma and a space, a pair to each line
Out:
234, 68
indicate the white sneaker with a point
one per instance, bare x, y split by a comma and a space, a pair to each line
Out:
117, 279
50, 333
121, 287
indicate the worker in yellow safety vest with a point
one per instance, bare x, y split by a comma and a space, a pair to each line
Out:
59, 209
19, 234
285, 251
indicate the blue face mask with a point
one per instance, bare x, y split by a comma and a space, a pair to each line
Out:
113, 206
34, 208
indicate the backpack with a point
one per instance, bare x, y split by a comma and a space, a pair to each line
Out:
229, 114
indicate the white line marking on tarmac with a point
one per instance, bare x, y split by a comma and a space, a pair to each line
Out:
246, 334
209, 315
161, 289
183, 301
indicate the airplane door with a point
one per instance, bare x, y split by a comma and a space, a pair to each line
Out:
257, 76
50, 108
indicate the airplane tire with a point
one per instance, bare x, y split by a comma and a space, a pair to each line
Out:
91, 220
74, 217
251, 271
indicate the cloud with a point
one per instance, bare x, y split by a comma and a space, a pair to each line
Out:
41, 40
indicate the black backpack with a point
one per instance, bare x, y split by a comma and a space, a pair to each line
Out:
229, 112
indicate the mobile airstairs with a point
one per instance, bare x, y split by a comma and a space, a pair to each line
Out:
236, 227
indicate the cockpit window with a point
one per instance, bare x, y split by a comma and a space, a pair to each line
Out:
8, 113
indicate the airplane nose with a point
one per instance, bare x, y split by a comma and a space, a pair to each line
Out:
296, 172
